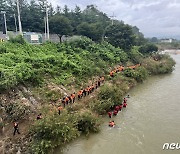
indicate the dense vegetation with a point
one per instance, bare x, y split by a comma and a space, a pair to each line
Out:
73, 64
89, 22
66, 63
55, 130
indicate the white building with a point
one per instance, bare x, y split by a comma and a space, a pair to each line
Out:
169, 40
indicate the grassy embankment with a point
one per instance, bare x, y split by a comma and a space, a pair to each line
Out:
50, 71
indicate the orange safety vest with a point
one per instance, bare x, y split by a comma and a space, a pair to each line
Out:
80, 92
15, 124
72, 96
67, 99
60, 108
132, 67
120, 68
137, 65
111, 73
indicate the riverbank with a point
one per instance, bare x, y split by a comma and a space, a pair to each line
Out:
171, 51
26, 101
149, 121
110, 95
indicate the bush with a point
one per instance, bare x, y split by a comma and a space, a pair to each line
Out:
162, 64
112, 93
53, 131
139, 74
56, 130
18, 39
135, 56
88, 123
2, 49
16, 111
148, 48
101, 107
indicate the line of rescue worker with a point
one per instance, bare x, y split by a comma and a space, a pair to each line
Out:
80, 94
122, 68
87, 91
117, 108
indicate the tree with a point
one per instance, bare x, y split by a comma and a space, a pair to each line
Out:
120, 35
51, 10
2, 5
58, 9
93, 31
139, 40
148, 48
34, 18
60, 25
2, 8
66, 11
154, 39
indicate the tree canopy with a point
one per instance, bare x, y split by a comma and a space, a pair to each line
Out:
60, 25
120, 35
89, 22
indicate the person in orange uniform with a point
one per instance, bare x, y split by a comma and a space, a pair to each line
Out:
102, 79
59, 109
92, 88
39, 116
121, 68
111, 73
124, 105
67, 100
16, 128
115, 112
73, 97
120, 107
111, 124
110, 114
88, 90
117, 108
124, 100
80, 93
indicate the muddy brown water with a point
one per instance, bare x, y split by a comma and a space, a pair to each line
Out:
151, 119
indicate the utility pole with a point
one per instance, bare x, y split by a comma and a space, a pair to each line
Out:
47, 21
45, 29
5, 25
19, 18
15, 23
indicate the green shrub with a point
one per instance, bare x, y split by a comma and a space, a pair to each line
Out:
7, 79
112, 93
53, 131
2, 49
18, 39
139, 74
52, 95
88, 123
101, 107
135, 56
162, 64
148, 48
16, 111
67, 63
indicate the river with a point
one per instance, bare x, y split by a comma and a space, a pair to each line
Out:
151, 119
